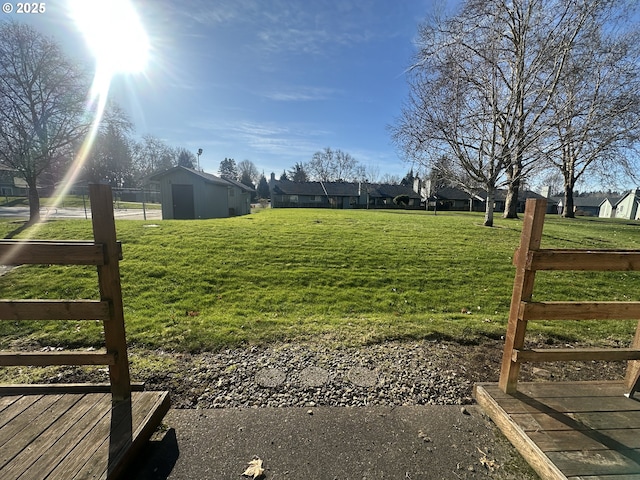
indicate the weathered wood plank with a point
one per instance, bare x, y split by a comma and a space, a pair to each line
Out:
605, 439
148, 409
527, 448
543, 390
628, 476
604, 462
50, 252
24, 439
579, 311
56, 358
104, 232
54, 310
16, 407
156, 410
575, 354
569, 405
631, 476
53, 388
7, 400
74, 462
9, 430
522, 291
57, 442
584, 260
577, 421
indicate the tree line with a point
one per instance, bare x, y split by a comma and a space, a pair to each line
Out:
509, 89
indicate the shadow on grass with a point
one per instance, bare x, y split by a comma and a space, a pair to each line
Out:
18, 230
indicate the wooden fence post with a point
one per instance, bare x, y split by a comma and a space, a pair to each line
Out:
104, 232
522, 290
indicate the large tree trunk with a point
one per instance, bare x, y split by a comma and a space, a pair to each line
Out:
34, 203
513, 190
488, 212
568, 212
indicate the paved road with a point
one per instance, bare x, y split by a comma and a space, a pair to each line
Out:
128, 214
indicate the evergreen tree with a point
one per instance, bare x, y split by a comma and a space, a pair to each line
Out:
263, 188
228, 169
298, 173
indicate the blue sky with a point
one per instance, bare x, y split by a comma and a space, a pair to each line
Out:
271, 81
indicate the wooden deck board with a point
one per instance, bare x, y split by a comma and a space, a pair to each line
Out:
578, 430
64, 436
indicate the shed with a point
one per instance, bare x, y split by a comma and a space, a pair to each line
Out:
189, 194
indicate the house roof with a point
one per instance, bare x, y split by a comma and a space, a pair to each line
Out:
207, 177
634, 193
453, 193
613, 200
340, 189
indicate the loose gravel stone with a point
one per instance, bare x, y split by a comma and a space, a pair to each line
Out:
363, 377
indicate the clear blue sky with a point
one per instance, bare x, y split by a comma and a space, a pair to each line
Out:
271, 81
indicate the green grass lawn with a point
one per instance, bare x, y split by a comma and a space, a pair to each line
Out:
350, 277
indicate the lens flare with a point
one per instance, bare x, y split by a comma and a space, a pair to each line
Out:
119, 43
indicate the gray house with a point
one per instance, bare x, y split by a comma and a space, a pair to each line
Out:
340, 195
10, 184
190, 194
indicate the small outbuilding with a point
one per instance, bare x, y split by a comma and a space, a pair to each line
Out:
189, 194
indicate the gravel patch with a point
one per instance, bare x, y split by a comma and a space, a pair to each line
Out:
294, 375
307, 375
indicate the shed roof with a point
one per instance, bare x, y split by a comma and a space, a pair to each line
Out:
207, 177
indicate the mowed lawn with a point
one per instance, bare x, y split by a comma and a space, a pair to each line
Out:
349, 277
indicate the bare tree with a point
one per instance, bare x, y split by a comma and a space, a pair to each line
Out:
186, 158
321, 166
333, 166
42, 105
152, 154
110, 159
248, 170
595, 115
455, 106
489, 84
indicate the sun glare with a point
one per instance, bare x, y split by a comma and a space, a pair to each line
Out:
114, 34
117, 39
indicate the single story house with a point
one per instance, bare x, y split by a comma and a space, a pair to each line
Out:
627, 206
11, 185
341, 195
189, 194
451, 198
608, 207
500, 199
588, 206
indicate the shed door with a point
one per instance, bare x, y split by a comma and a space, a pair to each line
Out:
183, 206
